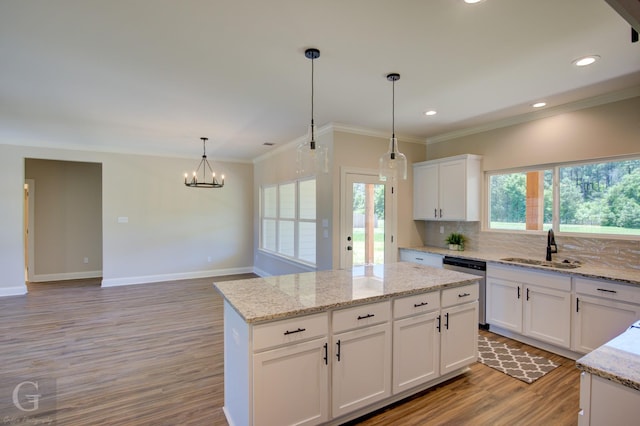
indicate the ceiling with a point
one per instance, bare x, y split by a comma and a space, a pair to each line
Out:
153, 76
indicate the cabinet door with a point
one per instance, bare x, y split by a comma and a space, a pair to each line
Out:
596, 321
291, 385
422, 258
547, 315
416, 350
452, 190
504, 304
459, 337
361, 371
425, 192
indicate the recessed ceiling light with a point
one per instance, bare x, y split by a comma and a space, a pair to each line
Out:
472, 1
539, 104
431, 112
587, 60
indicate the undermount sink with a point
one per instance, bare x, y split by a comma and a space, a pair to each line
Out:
565, 264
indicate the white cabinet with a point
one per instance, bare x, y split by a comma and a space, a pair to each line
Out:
534, 304
416, 340
459, 328
291, 382
604, 402
291, 385
602, 310
447, 189
504, 305
361, 373
420, 257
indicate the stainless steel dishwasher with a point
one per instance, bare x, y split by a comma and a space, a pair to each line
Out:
473, 267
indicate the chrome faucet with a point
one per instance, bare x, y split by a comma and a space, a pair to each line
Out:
551, 241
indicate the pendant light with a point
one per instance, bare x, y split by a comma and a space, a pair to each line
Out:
199, 178
312, 157
393, 163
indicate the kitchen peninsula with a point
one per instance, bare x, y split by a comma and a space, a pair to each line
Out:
330, 346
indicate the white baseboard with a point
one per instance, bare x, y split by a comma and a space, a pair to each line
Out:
13, 291
260, 272
65, 276
115, 282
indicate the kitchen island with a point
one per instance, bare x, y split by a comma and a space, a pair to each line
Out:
610, 381
330, 346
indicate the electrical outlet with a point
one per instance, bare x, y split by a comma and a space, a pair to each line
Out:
85, 260
442, 229
209, 259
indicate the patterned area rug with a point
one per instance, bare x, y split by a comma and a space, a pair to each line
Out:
511, 361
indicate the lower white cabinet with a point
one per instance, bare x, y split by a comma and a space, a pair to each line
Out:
361, 368
420, 257
291, 384
459, 339
339, 364
607, 403
602, 310
534, 304
361, 364
416, 340
459, 328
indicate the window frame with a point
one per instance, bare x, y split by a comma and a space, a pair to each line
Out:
296, 220
555, 208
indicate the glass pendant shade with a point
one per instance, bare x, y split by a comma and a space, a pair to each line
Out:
393, 163
311, 157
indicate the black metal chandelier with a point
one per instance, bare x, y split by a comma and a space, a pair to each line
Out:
199, 178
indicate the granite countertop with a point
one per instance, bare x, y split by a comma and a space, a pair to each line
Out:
629, 276
278, 297
617, 360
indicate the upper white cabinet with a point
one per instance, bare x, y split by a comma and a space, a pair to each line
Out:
447, 188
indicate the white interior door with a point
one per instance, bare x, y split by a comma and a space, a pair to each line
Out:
368, 221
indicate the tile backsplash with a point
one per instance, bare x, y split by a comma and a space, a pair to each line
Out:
616, 253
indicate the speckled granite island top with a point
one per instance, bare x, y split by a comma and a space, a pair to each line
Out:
278, 297
617, 360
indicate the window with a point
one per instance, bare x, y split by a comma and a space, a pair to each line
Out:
589, 198
288, 220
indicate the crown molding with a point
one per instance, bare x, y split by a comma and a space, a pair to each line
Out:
536, 115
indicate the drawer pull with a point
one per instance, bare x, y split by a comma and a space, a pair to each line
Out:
365, 316
417, 305
607, 291
419, 258
464, 295
299, 330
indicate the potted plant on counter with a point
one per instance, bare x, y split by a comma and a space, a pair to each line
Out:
455, 241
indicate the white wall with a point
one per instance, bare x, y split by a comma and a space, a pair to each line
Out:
171, 232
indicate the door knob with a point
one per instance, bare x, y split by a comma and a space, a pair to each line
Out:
349, 238
349, 248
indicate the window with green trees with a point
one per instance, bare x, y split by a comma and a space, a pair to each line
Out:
592, 198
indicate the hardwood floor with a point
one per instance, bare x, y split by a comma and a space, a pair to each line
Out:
153, 355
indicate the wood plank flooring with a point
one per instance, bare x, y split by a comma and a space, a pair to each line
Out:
153, 355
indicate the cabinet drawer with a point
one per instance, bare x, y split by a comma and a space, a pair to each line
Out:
607, 289
458, 295
524, 275
413, 305
289, 331
422, 258
361, 316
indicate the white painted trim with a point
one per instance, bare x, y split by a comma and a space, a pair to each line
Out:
261, 273
31, 241
292, 144
536, 115
376, 133
115, 282
13, 291
38, 278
